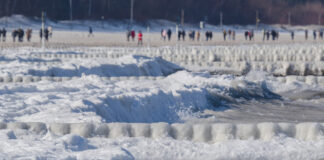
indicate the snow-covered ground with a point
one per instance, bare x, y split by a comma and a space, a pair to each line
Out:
104, 98
108, 103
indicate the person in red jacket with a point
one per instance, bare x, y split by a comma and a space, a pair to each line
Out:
133, 35
140, 38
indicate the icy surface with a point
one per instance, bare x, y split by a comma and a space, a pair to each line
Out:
105, 103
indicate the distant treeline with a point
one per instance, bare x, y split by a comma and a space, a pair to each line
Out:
234, 11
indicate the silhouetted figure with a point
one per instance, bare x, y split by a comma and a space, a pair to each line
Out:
46, 34
268, 35
41, 34
321, 35
128, 35
233, 35
14, 34
274, 35
183, 35
314, 34
179, 35
246, 35
224, 34
4, 34
192, 35
169, 34
21, 34
90, 32
306, 34
229, 34
292, 35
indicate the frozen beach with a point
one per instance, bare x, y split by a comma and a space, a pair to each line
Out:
102, 97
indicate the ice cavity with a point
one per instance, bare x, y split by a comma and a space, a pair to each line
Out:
211, 132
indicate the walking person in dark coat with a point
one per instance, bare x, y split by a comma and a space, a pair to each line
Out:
46, 34
169, 33
4, 34
183, 35
246, 35
90, 32
292, 34
21, 35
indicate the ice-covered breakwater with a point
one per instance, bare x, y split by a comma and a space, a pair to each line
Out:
282, 60
214, 132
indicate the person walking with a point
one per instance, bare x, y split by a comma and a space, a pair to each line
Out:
233, 35
292, 34
21, 35
133, 35
169, 34
321, 35
29, 34
246, 35
90, 32
306, 34
179, 35
40, 35
4, 34
198, 36
314, 34
140, 38
224, 34
128, 35
164, 34
229, 34
183, 35
46, 34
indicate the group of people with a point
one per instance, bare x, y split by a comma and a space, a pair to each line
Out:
230, 34
3, 34
267, 34
209, 35
166, 34
249, 35
193, 35
46, 33
131, 34
19, 34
